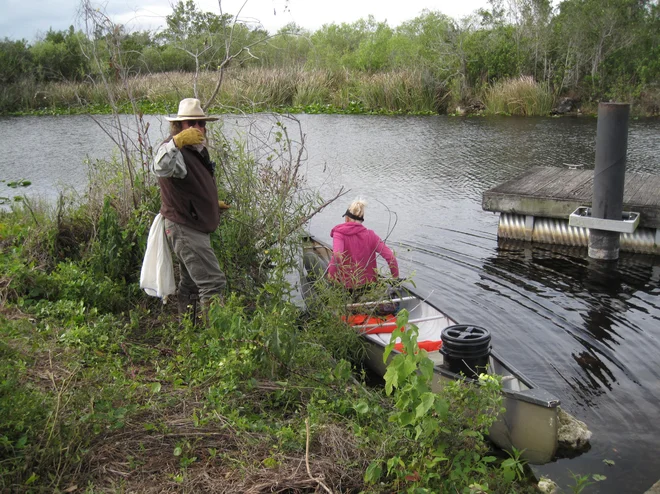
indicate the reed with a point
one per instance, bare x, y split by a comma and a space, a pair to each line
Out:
520, 96
20, 95
261, 88
313, 87
401, 90
245, 89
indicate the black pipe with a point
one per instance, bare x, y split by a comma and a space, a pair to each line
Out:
609, 177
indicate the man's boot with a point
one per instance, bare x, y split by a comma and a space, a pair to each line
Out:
187, 305
204, 306
203, 313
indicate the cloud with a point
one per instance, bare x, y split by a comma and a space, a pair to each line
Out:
31, 19
147, 18
27, 19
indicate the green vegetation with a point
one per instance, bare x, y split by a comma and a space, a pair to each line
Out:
583, 481
522, 96
287, 90
102, 389
518, 58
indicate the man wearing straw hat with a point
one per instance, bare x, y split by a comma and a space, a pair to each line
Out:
190, 206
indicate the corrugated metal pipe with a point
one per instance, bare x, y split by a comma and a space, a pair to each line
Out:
557, 231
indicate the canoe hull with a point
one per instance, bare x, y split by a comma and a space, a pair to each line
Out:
530, 420
528, 426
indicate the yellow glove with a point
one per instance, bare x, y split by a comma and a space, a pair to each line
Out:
223, 206
188, 137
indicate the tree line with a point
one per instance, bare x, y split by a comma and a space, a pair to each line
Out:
587, 49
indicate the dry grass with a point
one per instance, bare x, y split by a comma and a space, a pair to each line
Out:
394, 91
257, 88
522, 96
649, 102
140, 461
313, 86
140, 456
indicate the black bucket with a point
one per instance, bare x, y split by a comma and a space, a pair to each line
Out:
465, 349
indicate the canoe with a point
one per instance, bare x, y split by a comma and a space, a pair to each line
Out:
530, 421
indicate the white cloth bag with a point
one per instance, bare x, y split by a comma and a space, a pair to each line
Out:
157, 275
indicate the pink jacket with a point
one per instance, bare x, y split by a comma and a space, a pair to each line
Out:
354, 249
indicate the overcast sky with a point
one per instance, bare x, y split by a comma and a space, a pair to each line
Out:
27, 19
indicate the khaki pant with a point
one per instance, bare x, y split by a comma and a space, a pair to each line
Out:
201, 277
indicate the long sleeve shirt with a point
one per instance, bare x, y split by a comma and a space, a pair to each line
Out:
354, 250
169, 162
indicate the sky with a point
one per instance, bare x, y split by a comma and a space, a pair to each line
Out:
29, 19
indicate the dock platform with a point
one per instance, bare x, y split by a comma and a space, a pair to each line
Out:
552, 193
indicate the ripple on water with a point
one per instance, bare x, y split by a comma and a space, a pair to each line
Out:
588, 333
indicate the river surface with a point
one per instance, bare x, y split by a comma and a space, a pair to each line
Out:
587, 332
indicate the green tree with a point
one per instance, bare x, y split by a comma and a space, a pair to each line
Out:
647, 52
164, 58
492, 55
290, 48
588, 32
60, 56
334, 45
15, 61
133, 46
532, 20
433, 43
372, 53
426, 41
199, 35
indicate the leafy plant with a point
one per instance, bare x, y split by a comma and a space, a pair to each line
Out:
584, 481
114, 251
514, 467
433, 448
14, 184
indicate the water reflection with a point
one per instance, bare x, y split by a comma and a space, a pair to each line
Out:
608, 297
587, 332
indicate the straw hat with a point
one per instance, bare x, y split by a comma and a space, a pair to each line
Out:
190, 109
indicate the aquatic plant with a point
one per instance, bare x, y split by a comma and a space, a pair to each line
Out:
520, 96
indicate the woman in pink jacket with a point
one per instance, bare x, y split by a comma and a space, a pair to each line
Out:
354, 249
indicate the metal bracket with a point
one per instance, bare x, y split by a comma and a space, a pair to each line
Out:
581, 217
529, 228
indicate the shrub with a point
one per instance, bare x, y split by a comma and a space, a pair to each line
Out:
521, 96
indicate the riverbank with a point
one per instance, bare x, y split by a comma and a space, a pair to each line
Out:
104, 387
440, 166
404, 92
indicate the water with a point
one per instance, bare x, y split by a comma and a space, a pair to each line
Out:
587, 332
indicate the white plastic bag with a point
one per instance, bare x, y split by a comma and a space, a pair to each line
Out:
157, 275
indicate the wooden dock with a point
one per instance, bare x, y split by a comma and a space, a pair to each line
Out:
555, 192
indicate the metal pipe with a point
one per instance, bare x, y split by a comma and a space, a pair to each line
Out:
609, 177
557, 231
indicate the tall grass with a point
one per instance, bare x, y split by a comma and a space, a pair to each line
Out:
24, 94
259, 89
313, 86
522, 96
243, 88
402, 90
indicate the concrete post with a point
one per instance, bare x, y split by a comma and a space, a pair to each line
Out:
609, 177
